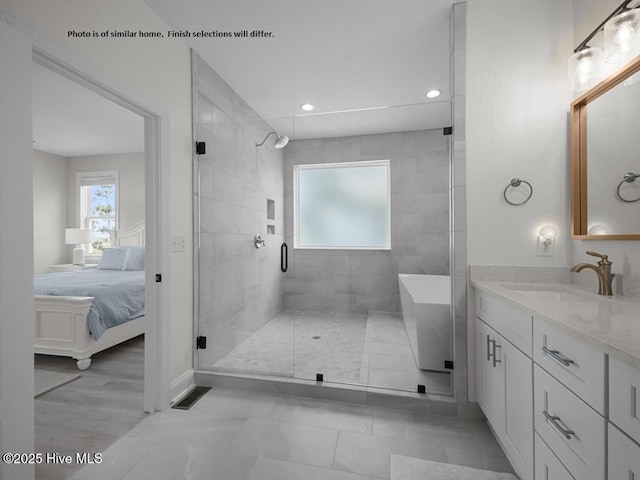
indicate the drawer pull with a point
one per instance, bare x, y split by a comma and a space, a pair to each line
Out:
495, 359
555, 422
490, 351
556, 355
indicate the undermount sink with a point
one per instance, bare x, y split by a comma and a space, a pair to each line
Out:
550, 293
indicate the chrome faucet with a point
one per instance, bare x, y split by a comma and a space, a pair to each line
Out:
603, 270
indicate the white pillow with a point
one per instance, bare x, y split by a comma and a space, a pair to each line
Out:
134, 259
112, 259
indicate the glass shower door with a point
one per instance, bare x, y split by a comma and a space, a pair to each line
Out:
238, 195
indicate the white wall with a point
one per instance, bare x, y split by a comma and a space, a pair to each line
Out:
49, 210
517, 100
160, 70
517, 103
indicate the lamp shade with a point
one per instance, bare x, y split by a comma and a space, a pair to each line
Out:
622, 37
77, 236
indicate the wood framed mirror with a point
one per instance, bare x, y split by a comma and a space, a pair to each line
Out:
605, 149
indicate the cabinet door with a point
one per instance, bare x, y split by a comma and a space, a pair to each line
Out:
489, 385
517, 376
624, 456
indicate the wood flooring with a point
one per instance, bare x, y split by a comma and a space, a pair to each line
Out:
90, 413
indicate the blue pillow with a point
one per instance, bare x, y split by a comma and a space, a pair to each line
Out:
112, 259
134, 259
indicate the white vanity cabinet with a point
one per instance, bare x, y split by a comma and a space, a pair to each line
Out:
504, 378
561, 390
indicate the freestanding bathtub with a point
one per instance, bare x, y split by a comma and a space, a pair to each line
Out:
426, 312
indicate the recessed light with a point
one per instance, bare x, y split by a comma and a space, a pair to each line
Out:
434, 93
307, 107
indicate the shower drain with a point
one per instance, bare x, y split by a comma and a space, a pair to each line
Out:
316, 337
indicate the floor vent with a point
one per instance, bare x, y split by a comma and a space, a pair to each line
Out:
192, 397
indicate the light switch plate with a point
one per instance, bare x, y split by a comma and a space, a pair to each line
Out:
178, 243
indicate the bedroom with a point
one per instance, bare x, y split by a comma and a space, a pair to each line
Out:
88, 171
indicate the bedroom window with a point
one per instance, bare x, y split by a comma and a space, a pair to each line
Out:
342, 205
98, 207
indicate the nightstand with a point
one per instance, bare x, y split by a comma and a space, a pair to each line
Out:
68, 267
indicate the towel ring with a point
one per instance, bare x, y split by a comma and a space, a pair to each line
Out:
515, 183
628, 178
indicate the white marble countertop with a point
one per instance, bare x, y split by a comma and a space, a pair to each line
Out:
611, 324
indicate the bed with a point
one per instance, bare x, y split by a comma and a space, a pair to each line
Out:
62, 321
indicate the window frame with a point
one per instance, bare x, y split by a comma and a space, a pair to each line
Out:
107, 174
317, 166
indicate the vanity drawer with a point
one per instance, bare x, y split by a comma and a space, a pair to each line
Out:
578, 366
571, 428
512, 323
548, 467
624, 397
624, 456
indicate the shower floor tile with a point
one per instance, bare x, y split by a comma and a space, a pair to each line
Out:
365, 350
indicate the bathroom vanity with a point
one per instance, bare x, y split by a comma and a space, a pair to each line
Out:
558, 378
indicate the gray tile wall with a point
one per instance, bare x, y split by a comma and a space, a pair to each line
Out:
360, 281
239, 287
459, 201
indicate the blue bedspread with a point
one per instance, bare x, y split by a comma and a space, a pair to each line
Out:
118, 295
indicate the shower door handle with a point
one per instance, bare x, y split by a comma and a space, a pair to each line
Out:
284, 257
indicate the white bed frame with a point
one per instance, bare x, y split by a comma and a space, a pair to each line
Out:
61, 322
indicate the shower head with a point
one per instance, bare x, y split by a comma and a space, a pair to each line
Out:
281, 141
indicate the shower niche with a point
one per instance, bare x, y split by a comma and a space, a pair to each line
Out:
271, 217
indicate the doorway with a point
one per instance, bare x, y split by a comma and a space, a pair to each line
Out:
20, 45
89, 178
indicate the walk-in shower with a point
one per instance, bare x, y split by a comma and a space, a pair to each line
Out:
334, 314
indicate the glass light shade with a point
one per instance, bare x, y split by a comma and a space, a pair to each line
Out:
585, 69
622, 37
548, 233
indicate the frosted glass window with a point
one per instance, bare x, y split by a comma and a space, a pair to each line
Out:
342, 205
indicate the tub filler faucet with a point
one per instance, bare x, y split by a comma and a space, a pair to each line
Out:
603, 270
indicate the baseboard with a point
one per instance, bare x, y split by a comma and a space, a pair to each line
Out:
182, 385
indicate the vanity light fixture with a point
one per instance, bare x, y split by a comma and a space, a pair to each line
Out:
622, 43
546, 238
435, 93
307, 107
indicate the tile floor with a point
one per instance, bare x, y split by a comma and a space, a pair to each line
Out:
243, 435
354, 349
